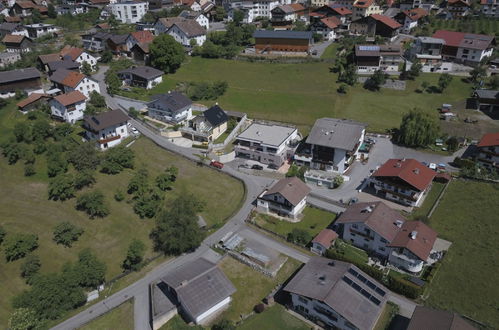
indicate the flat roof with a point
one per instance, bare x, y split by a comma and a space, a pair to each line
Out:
271, 135
336, 133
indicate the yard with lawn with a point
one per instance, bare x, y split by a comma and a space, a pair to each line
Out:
314, 220
120, 317
430, 199
467, 280
275, 317
251, 285
25, 208
301, 93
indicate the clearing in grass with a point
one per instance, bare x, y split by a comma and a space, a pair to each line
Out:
120, 317
276, 318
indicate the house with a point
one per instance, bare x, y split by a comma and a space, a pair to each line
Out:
427, 5
208, 126
12, 19
40, 29
139, 37
432, 319
116, 43
458, 8
252, 9
107, 129
44, 59
33, 101
287, 14
68, 81
376, 25
73, 9
79, 55
198, 289
27, 80
465, 48
337, 294
487, 98
405, 181
95, 42
327, 27
128, 11
140, 53
65, 63
364, 8
410, 18
332, 145
428, 51
141, 76
266, 143
343, 13
488, 151
25, 8
69, 107
282, 41
371, 58
286, 198
171, 107
8, 58
17, 43
188, 32
490, 8
163, 24
197, 16
323, 241
12, 28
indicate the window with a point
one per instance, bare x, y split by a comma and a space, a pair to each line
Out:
302, 300
355, 226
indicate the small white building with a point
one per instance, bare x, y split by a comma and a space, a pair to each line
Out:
107, 129
171, 107
287, 197
129, 12
40, 29
187, 31
69, 107
68, 81
323, 241
253, 9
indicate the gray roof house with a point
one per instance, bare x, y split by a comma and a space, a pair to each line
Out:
425, 318
332, 145
172, 107
199, 289
487, 97
338, 294
208, 126
141, 76
28, 79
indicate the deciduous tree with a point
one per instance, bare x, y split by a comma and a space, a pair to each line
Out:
135, 255
30, 268
418, 129
61, 187
18, 245
93, 204
166, 53
66, 233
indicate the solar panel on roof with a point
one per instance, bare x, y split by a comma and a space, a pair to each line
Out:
369, 48
353, 271
374, 300
362, 278
380, 292
365, 293
371, 285
356, 286
347, 280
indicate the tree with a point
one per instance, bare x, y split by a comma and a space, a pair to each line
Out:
338, 181
135, 255
41, 129
444, 81
63, 130
22, 132
138, 183
84, 157
2, 234
223, 324
36, 17
29, 170
12, 151
220, 13
117, 159
493, 82
237, 17
375, 82
106, 56
30, 268
56, 164
93, 204
349, 75
23, 319
86, 68
97, 100
61, 187
166, 53
66, 233
424, 86
452, 144
51, 12
478, 74
91, 271
299, 236
418, 129
176, 228
415, 70
343, 89
113, 83
84, 179
17, 246
163, 182
147, 203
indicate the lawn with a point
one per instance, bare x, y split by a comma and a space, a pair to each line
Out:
24, 208
275, 318
251, 285
314, 220
302, 93
482, 25
467, 281
120, 317
177, 323
351, 252
429, 201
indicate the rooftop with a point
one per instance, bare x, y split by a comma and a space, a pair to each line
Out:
336, 133
215, 116
282, 34
387, 21
67, 78
489, 140
466, 40
172, 101
70, 98
416, 237
18, 75
271, 134
325, 237
426, 318
292, 189
409, 170
145, 72
105, 119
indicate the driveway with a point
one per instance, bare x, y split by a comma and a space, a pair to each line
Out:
320, 48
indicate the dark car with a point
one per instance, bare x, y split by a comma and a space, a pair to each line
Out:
257, 167
273, 167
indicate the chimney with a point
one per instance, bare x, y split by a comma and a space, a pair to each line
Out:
413, 234
399, 223
416, 171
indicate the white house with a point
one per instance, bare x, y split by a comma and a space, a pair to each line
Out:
79, 55
107, 129
40, 29
332, 145
337, 295
371, 58
129, 12
488, 148
253, 9
197, 16
490, 8
208, 126
323, 241
327, 27
187, 31
68, 107
466, 48
410, 18
141, 76
287, 197
171, 107
68, 81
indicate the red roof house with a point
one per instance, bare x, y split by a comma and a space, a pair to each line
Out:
489, 140
323, 241
416, 237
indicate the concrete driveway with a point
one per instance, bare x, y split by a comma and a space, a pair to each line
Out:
320, 48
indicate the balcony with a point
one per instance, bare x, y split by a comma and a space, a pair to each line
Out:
109, 138
362, 233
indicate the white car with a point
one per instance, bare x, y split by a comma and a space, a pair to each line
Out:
134, 130
433, 166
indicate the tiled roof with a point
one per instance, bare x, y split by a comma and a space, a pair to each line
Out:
325, 237
342, 10
12, 19
409, 170
13, 38
416, 237
415, 13
105, 119
67, 78
33, 97
363, 3
387, 21
190, 27
292, 189
70, 98
455, 39
145, 72
19, 74
331, 22
426, 318
47, 58
143, 36
74, 52
489, 140
283, 34
215, 116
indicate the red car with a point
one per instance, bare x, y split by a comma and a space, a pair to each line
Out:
216, 164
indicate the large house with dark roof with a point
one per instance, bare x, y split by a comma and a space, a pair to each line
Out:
282, 41
69, 107
107, 129
172, 107
488, 151
332, 145
371, 58
465, 48
337, 294
28, 80
405, 181
386, 233
376, 25
208, 126
287, 197
141, 76
426, 318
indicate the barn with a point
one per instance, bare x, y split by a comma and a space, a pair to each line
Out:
282, 41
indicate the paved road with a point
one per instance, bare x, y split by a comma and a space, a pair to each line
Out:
320, 48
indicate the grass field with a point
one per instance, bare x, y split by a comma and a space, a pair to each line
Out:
177, 323
251, 285
276, 318
467, 281
302, 93
24, 207
119, 318
429, 201
314, 220
489, 26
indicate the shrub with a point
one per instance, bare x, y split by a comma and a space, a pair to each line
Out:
404, 287
84, 179
260, 308
119, 195
117, 159
29, 170
17, 246
2, 234
93, 204
299, 236
135, 255
61, 187
343, 89
30, 268
66, 233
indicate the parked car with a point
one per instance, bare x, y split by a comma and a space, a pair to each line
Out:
273, 167
433, 166
134, 130
216, 164
257, 167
